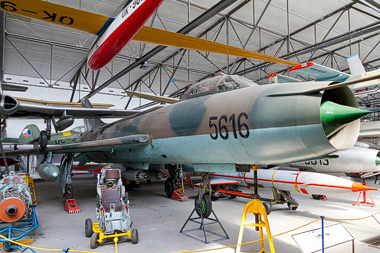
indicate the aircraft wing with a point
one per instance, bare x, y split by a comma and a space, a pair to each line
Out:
37, 110
108, 145
319, 72
96, 24
155, 98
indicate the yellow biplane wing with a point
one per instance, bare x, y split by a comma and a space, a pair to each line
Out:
95, 24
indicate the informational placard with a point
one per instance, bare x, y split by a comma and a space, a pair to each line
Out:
311, 241
376, 217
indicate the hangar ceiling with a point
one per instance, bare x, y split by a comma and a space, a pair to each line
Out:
325, 32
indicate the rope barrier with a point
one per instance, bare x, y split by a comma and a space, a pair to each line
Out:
28, 246
225, 247
235, 245
231, 246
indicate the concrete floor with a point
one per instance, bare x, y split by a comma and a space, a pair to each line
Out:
159, 219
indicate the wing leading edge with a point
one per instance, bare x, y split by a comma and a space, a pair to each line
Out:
107, 145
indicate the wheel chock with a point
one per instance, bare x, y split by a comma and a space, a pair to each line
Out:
71, 206
177, 195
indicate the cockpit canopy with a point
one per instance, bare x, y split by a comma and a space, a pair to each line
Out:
218, 84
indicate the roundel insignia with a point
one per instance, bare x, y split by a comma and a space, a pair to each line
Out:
27, 132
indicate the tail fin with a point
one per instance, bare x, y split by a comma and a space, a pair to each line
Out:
90, 124
355, 65
30, 134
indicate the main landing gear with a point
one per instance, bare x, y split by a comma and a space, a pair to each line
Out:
66, 183
203, 208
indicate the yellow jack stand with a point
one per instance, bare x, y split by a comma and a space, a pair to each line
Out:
30, 183
256, 207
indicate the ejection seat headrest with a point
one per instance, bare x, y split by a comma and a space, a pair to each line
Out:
112, 174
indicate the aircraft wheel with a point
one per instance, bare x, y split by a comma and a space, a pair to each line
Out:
138, 184
43, 139
6, 247
267, 206
170, 187
293, 208
88, 227
135, 236
206, 206
94, 241
317, 197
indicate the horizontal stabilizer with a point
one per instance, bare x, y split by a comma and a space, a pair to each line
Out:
319, 72
278, 78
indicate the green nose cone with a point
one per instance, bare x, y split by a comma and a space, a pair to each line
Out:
333, 116
377, 160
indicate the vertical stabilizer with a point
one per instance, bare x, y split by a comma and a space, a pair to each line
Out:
91, 123
30, 134
355, 65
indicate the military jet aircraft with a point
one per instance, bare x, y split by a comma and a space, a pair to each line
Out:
222, 123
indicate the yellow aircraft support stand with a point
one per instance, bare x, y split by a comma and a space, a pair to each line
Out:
30, 183
256, 207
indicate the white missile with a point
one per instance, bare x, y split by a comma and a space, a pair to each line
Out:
354, 160
293, 181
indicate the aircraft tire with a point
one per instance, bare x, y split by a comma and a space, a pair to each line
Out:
206, 206
267, 206
170, 187
43, 139
94, 241
88, 228
135, 236
293, 208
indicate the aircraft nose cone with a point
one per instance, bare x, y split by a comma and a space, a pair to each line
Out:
333, 116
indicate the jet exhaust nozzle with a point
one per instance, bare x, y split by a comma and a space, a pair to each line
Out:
8, 105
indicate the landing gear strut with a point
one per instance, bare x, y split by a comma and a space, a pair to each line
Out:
203, 208
203, 200
66, 183
171, 183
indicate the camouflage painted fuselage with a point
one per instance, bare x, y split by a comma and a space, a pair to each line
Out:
241, 126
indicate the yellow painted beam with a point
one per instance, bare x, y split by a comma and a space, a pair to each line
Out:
161, 37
